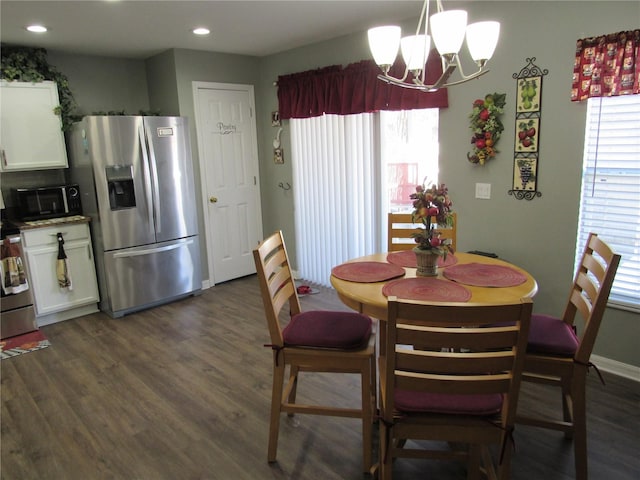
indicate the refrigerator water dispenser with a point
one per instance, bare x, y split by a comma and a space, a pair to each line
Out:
120, 184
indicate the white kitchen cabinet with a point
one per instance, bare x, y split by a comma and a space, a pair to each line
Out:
31, 136
41, 252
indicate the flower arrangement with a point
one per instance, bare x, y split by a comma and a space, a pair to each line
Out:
429, 203
486, 126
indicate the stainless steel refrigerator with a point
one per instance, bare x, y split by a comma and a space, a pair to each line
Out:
136, 183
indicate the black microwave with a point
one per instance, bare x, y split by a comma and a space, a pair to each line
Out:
48, 202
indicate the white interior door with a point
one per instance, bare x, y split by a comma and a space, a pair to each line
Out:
227, 143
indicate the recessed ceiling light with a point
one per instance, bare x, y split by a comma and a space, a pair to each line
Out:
36, 28
201, 31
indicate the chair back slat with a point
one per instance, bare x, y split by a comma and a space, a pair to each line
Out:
453, 362
458, 384
434, 337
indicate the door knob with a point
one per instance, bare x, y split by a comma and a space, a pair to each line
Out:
213, 199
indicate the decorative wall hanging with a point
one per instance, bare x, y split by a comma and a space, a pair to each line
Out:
527, 131
486, 127
278, 155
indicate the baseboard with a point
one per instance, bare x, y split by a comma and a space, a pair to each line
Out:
617, 368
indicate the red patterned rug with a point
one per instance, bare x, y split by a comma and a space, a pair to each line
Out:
28, 342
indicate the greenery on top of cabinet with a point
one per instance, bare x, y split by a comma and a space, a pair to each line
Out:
29, 64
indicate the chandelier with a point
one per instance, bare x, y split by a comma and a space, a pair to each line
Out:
448, 30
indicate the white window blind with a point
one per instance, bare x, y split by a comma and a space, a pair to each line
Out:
610, 201
336, 189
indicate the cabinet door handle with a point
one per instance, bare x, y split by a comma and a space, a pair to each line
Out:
4, 157
89, 252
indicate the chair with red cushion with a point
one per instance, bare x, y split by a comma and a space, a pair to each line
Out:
559, 356
460, 389
313, 341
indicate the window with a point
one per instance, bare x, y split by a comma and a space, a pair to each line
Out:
349, 171
610, 200
409, 154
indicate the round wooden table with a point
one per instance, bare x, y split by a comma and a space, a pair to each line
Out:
368, 298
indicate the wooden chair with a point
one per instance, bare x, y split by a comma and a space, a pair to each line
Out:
465, 394
556, 355
314, 341
400, 226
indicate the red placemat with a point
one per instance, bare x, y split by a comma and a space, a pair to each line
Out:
426, 289
483, 275
407, 258
367, 272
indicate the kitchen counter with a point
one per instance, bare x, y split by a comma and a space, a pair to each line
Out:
51, 222
43, 241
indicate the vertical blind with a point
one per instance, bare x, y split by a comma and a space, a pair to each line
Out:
335, 190
610, 202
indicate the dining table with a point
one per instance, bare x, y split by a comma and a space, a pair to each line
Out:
364, 284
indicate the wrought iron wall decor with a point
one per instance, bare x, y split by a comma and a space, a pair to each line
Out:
527, 131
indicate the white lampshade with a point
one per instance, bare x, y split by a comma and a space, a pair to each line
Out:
384, 43
448, 29
415, 49
482, 39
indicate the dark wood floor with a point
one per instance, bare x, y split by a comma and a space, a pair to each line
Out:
182, 391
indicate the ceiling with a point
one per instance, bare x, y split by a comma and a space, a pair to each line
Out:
138, 29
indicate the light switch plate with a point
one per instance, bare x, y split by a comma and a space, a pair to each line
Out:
483, 191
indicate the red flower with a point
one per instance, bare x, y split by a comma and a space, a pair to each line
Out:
484, 115
478, 103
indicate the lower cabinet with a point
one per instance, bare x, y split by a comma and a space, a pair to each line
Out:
41, 252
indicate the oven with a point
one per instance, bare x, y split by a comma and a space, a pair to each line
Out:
17, 314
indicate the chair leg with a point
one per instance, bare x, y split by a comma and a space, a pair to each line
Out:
504, 467
276, 401
580, 424
386, 459
294, 371
567, 403
473, 462
367, 416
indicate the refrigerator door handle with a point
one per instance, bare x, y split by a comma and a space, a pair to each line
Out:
147, 178
148, 251
156, 185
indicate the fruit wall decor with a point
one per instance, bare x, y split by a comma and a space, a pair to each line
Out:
486, 127
527, 131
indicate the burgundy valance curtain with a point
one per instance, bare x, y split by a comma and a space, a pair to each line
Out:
354, 89
606, 66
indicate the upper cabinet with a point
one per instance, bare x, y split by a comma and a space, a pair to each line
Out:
31, 136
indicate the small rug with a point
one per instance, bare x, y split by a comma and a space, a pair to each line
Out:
304, 290
28, 342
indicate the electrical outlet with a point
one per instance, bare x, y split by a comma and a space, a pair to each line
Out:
483, 191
